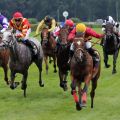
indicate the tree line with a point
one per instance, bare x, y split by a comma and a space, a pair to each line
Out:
85, 10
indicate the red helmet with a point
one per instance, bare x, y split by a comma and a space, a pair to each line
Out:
69, 22
17, 15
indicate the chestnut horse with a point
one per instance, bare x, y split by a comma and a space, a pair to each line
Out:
48, 45
62, 57
4, 58
83, 70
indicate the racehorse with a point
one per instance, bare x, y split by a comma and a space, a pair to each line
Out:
62, 57
21, 58
4, 58
82, 70
110, 46
48, 45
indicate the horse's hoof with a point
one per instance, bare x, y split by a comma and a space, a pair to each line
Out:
107, 66
55, 71
78, 106
83, 104
41, 84
14, 85
114, 71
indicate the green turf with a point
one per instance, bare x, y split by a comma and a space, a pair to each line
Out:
52, 103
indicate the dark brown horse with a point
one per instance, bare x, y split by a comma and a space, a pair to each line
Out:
4, 58
110, 46
48, 45
83, 70
62, 57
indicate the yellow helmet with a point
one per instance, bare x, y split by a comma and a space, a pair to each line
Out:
81, 28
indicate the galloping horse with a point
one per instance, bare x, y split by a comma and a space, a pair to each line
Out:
21, 58
4, 58
110, 46
48, 46
83, 70
62, 57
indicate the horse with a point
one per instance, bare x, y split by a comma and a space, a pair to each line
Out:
110, 46
48, 45
62, 57
4, 58
82, 70
21, 57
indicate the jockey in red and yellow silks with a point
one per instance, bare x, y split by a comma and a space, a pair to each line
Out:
21, 25
89, 33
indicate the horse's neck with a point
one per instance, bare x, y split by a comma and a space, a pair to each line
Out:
14, 51
52, 42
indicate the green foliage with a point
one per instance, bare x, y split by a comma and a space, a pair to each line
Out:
33, 20
76, 20
86, 10
34, 27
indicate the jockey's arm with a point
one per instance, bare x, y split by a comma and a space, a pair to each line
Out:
39, 27
91, 32
23, 32
71, 35
52, 26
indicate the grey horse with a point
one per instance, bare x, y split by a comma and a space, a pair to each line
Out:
21, 58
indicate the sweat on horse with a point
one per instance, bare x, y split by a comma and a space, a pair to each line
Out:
83, 70
21, 58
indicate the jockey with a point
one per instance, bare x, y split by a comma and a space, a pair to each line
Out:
88, 34
3, 22
69, 24
110, 20
49, 22
22, 29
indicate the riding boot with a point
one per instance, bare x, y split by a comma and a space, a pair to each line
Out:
71, 52
32, 46
94, 55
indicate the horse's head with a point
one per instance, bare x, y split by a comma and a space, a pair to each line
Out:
7, 39
45, 35
79, 47
63, 35
109, 28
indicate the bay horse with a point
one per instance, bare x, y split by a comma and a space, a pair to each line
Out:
21, 58
48, 45
82, 70
110, 46
4, 58
62, 57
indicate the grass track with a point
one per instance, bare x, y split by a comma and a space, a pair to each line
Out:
51, 103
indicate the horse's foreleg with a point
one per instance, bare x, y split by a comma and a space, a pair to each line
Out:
24, 82
5, 68
61, 78
92, 93
54, 59
46, 63
84, 92
13, 84
74, 93
114, 62
39, 65
106, 60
